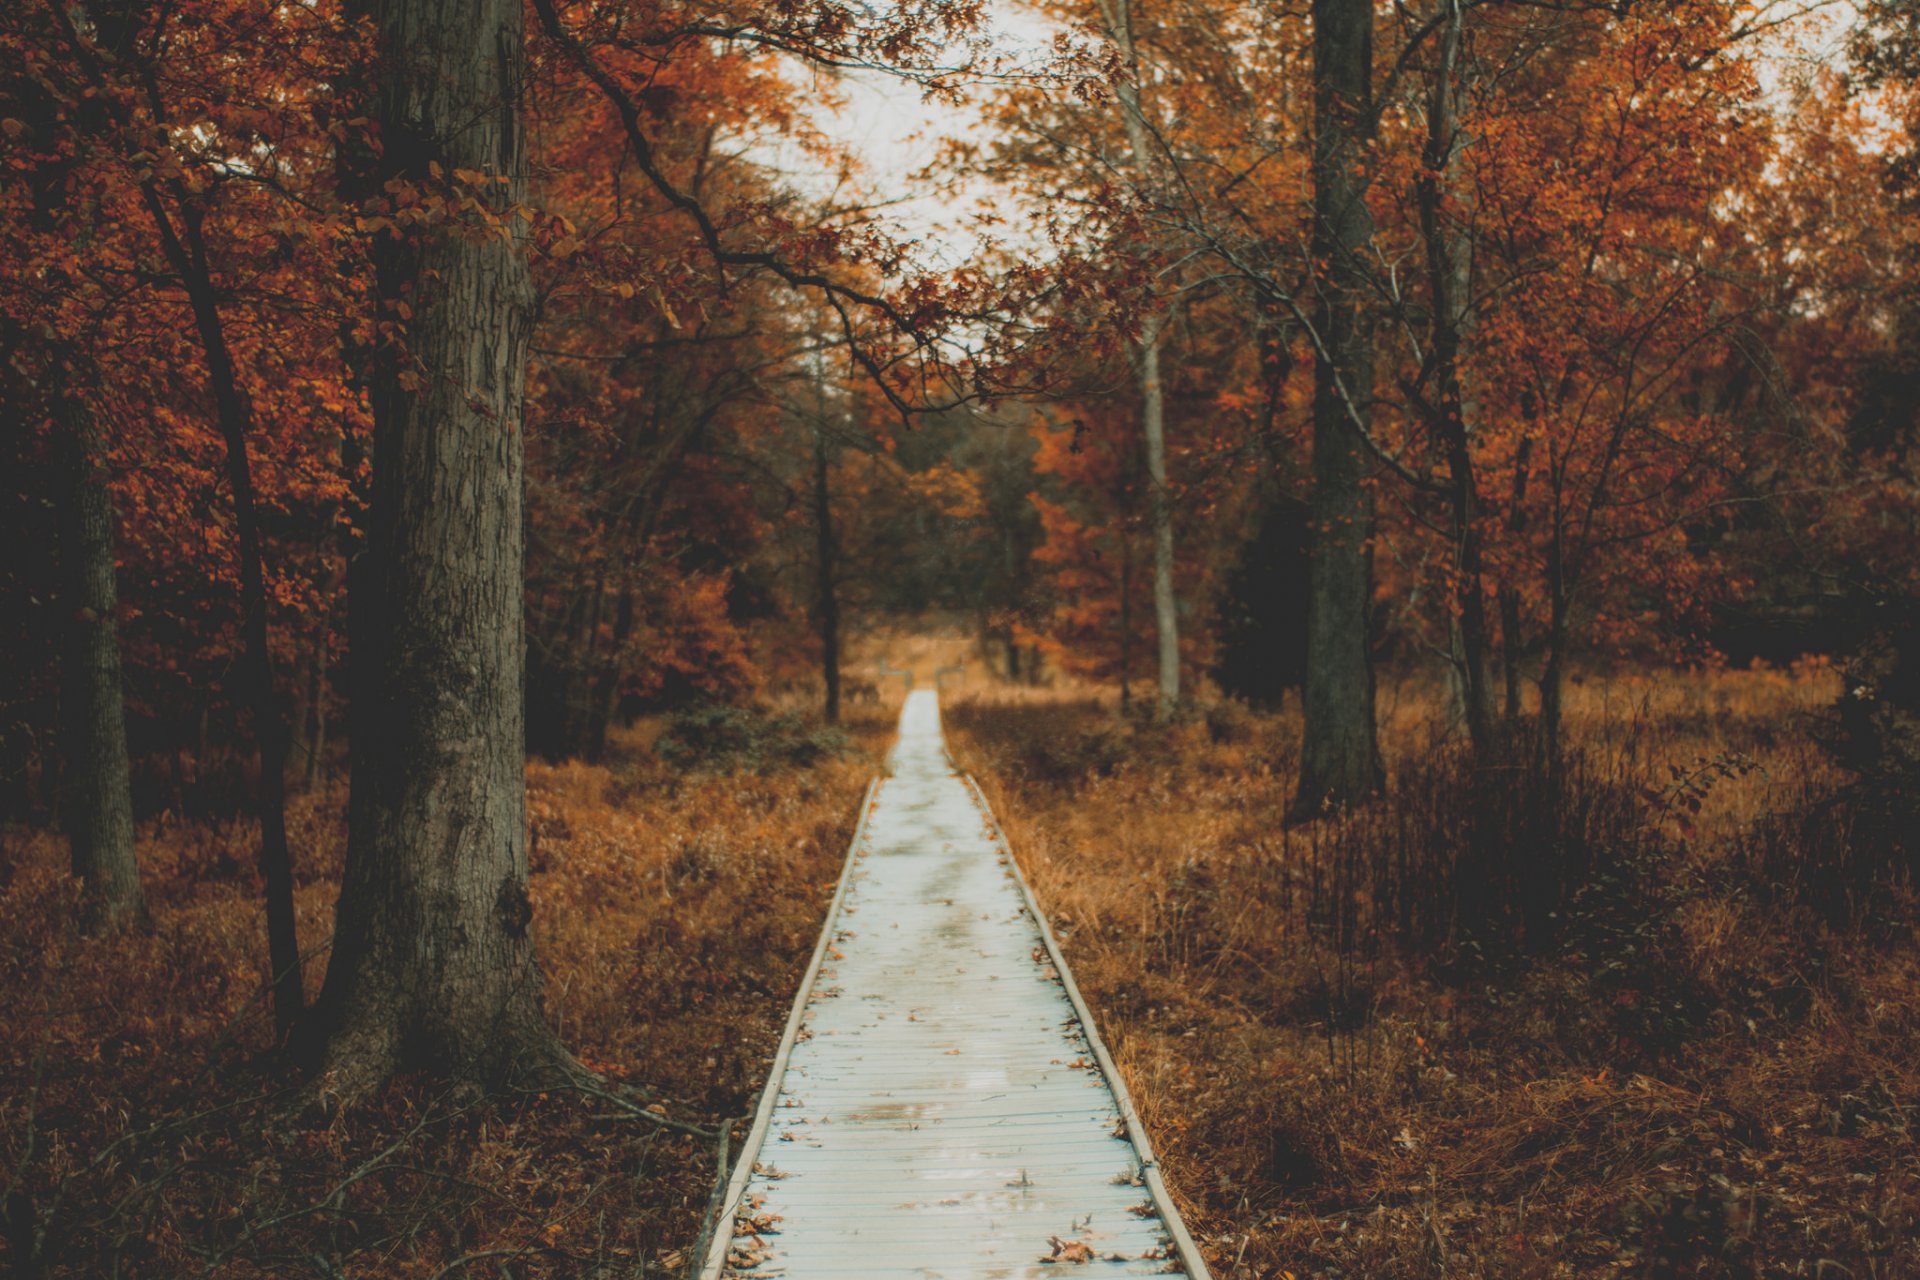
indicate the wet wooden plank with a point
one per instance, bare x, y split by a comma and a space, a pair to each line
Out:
941, 1107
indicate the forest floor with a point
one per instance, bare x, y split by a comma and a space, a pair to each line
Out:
143, 1119
1699, 1075
1694, 1076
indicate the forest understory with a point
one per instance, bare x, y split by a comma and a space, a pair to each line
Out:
1702, 1070
153, 1129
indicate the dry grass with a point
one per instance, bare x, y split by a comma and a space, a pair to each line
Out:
1735, 1098
145, 1121
1691, 1078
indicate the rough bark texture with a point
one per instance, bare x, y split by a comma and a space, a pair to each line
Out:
1339, 758
98, 795
433, 965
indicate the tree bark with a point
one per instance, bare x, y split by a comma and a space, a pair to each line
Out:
98, 791
1126, 617
1554, 667
606, 701
186, 251
1340, 758
1448, 271
1166, 610
316, 724
184, 247
1118, 15
433, 963
826, 604
1510, 622
577, 717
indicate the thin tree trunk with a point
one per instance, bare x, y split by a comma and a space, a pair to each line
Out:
1510, 623
1126, 618
1166, 616
577, 723
1340, 757
98, 790
1553, 670
1510, 651
185, 249
826, 604
433, 963
317, 719
1118, 15
1447, 275
612, 670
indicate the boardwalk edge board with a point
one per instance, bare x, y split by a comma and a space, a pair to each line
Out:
722, 1227
1183, 1242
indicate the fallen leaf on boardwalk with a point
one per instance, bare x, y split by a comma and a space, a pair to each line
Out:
744, 1256
1068, 1251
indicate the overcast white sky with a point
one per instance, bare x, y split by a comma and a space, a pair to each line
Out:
896, 134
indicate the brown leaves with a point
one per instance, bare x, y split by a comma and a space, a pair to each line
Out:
1068, 1251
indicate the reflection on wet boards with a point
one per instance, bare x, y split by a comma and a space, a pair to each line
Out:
941, 1107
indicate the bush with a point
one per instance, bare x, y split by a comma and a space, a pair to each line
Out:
1051, 743
1490, 858
721, 738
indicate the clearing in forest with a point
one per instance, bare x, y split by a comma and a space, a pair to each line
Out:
941, 1106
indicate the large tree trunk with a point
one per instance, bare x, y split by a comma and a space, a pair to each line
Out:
826, 604
1339, 757
99, 795
433, 963
1448, 271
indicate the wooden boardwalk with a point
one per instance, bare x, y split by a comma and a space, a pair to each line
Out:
941, 1107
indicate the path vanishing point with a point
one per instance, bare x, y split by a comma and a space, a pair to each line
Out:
941, 1107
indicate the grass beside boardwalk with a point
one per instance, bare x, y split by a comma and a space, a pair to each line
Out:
142, 1121
1359, 1055
1363, 1047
